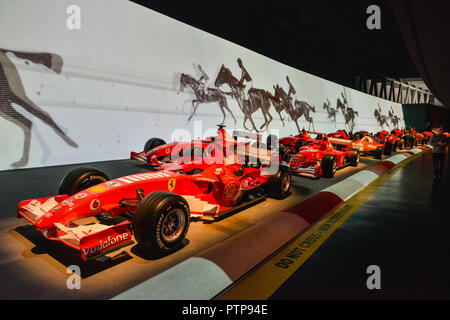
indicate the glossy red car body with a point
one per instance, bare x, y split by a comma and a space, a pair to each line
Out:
366, 145
170, 152
384, 136
292, 142
210, 189
340, 134
308, 161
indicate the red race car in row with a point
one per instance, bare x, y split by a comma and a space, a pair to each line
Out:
361, 141
96, 215
294, 143
157, 151
390, 140
319, 158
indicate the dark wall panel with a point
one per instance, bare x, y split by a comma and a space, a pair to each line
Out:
423, 116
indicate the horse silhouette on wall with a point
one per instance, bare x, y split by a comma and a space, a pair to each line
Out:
205, 95
296, 110
380, 117
331, 111
12, 93
348, 113
257, 98
393, 118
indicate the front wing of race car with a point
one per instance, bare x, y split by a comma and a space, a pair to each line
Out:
88, 235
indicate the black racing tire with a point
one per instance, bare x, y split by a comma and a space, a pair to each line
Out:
153, 143
357, 136
353, 157
285, 153
298, 144
81, 178
279, 183
400, 145
394, 146
388, 148
329, 165
161, 221
378, 153
272, 142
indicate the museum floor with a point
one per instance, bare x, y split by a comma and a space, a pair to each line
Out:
402, 227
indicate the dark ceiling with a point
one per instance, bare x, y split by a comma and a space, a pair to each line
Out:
326, 38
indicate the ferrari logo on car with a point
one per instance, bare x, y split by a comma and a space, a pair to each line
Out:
171, 184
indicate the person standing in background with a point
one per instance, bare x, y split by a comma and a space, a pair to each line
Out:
439, 143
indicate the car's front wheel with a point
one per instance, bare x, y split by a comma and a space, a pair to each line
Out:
161, 221
279, 183
354, 157
378, 153
329, 165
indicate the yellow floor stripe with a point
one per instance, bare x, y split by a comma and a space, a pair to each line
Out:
267, 278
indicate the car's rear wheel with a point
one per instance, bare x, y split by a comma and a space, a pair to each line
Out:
329, 165
279, 183
354, 157
81, 178
285, 153
161, 221
378, 153
153, 143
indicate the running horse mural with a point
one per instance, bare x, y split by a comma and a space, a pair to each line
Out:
204, 94
331, 111
257, 98
393, 118
348, 113
296, 110
12, 94
381, 118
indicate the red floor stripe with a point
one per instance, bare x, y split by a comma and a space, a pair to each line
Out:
380, 167
317, 206
240, 253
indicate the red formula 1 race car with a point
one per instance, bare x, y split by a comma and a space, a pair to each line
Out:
157, 151
361, 141
369, 146
400, 142
96, 215
390, 140
320, 158
294, 143
340, 134
428, 136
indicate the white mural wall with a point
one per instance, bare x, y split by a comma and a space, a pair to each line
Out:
101, 91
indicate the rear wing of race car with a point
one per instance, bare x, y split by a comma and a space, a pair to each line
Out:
247, 135
339, 141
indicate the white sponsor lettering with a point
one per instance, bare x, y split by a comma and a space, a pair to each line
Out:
105, 244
